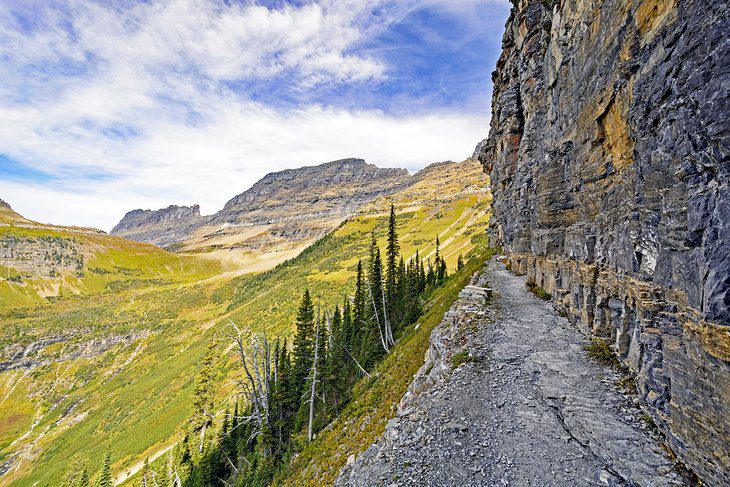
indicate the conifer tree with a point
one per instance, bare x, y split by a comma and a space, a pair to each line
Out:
146, 475
359, 313
392, 251
459, 263
203, 396
303, 354
105, 477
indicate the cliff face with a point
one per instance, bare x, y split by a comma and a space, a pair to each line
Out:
334, 188
608, 153
285, 208
159, 227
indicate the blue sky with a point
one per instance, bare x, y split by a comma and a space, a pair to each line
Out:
113, 105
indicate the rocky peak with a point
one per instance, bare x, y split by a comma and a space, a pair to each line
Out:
4, 205
304, 195
172, 213
161, 227
334, 187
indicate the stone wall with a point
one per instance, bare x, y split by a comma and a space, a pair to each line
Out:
609, 155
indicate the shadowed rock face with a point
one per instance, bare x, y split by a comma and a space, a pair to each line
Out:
294, 197
608, 153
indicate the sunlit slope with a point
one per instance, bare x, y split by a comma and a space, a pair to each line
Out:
119, 367
41, 263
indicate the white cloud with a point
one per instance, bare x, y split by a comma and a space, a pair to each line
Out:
158, 73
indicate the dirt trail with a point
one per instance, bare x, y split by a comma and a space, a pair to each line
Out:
529, 408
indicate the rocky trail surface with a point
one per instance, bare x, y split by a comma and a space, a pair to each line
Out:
527, 407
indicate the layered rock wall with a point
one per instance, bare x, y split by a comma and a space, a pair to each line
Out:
609, 158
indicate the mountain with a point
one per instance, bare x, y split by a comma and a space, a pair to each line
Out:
161, 227
608, 153
115, 365
8, 216
274, 219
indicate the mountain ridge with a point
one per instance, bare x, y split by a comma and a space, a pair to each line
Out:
331, 189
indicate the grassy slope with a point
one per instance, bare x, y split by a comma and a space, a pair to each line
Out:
376, 400
136, 394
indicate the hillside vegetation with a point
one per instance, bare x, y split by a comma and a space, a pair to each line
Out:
115, 365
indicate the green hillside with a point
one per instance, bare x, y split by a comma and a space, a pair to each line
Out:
121, 348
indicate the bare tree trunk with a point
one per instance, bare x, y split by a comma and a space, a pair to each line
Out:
314, 378
377, 319
202, 437
388, 329
356, 362
257, 369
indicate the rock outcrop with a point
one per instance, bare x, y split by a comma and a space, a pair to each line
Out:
334, 188
160, 227
609, 158
301, 203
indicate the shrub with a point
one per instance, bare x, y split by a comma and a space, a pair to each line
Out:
601, 351
460, 358
537, 290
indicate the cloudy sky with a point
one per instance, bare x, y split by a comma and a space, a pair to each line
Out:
111, 105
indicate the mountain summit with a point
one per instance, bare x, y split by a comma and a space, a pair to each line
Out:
279, 215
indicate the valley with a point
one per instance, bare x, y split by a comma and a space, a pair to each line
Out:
114, 362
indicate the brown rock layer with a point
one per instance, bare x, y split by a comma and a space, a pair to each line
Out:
609, 157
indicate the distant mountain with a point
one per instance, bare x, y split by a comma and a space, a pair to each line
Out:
281, 213
161, 227
7, 215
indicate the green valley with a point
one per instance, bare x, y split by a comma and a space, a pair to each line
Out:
111, 359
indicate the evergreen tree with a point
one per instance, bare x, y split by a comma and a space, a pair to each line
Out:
146, 474
459, 263
374, 338
392, 251
83, 480
303, 354
359, 313
335, 369
303, 344
105, 478
203, 396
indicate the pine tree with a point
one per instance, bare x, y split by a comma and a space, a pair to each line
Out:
303, 355
105, 478
359, 313
146, 476
203, 396
375, 339
392, 251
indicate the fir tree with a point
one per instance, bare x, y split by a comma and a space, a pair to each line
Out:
359, 313
105, 478
203, 396
392, 251
303, 354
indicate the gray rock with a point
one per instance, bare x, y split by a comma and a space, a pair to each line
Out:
609, 156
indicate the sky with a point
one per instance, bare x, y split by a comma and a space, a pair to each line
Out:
111, 105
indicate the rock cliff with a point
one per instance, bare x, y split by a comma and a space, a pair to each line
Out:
160, 227
334, 188
609, 158
291, 205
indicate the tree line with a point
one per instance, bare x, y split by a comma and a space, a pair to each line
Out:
288, 392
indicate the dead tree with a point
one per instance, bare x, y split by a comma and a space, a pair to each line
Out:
388, 328
377, 320
314, 378
255, 358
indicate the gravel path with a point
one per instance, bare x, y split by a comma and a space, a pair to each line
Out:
529, 408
